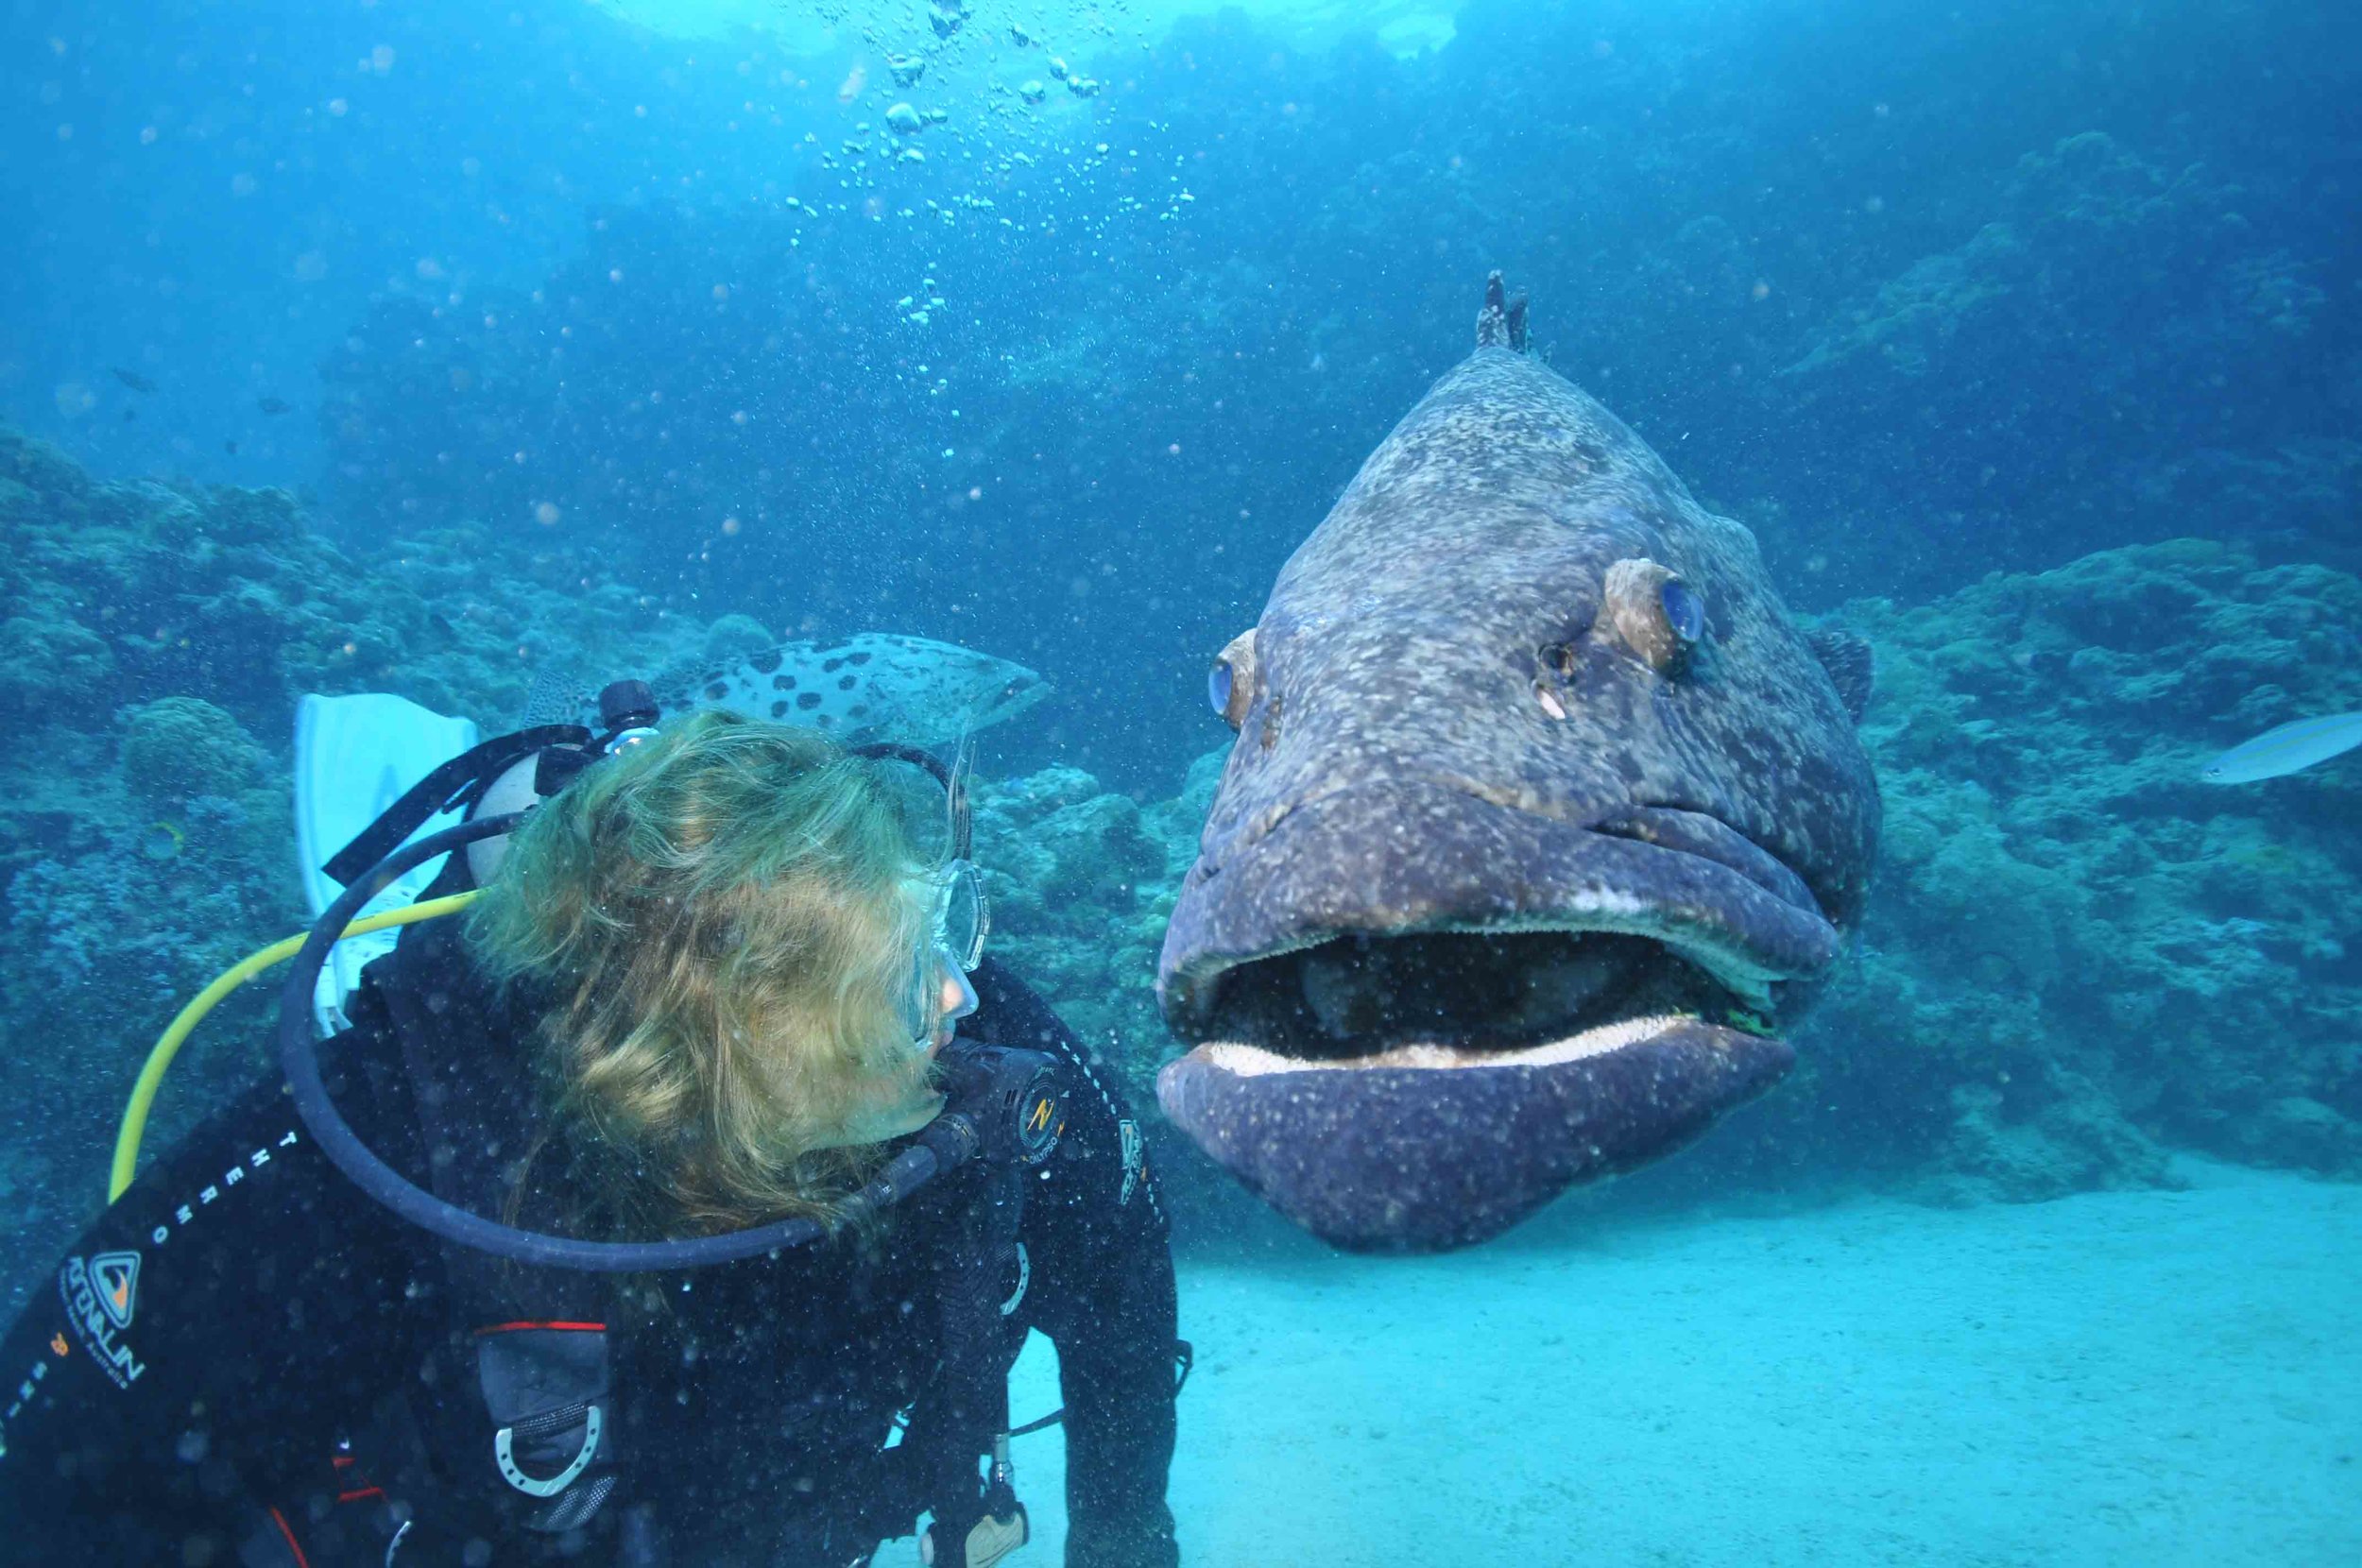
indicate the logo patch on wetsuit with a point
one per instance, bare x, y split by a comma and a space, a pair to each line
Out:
98, 1304
117, 1276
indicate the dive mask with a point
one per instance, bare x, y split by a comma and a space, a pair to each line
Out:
933, 802
953, 945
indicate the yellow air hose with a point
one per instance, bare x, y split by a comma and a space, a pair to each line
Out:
168, 1045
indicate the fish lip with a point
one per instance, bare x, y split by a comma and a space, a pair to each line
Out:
1396, 1157
1562, 876
1449, 1139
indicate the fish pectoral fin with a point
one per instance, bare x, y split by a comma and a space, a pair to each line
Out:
1850, 664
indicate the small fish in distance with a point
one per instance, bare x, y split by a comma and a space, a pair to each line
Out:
2287, 748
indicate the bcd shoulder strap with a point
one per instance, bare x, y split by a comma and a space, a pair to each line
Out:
539, 1336
966, 1420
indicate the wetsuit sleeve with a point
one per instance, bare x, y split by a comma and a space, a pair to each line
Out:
177, 1387
1102, 1287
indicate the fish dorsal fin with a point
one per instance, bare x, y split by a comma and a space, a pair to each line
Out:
1501, 324
1850, 664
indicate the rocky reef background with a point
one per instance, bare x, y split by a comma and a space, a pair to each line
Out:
2078, 959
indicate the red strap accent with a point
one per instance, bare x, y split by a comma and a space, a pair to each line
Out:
341, 1461
281, 1520
357, 1494
563, 1327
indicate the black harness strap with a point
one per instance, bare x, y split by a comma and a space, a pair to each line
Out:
457, 782
970, 1408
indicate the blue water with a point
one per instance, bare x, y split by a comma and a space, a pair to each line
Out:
2050, 1258
324, 205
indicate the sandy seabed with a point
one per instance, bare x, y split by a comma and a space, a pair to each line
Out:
2144, 1378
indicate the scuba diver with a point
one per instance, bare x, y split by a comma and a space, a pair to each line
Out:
685, 1200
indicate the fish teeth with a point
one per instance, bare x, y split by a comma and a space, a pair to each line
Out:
1236, 1056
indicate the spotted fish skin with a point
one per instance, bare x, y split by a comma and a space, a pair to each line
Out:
876, 685
1458, 724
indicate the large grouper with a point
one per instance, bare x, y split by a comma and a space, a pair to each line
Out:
1544, 820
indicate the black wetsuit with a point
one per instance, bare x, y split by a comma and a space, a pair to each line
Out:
246, 1361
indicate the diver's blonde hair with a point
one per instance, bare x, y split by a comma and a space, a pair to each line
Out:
721, 919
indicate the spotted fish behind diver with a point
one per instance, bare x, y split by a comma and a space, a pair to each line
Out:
1538, 792
875, 685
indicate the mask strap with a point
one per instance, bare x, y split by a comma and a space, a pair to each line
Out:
889, 751
953, 779
955, 793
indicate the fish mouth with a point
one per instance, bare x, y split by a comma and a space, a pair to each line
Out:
1419, 1012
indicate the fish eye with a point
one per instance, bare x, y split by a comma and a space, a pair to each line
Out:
1684, 612
1230, 683
1654, 614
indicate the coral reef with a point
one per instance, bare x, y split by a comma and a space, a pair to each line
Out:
176, 748
2116, 317
2076, 937
1081, 881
